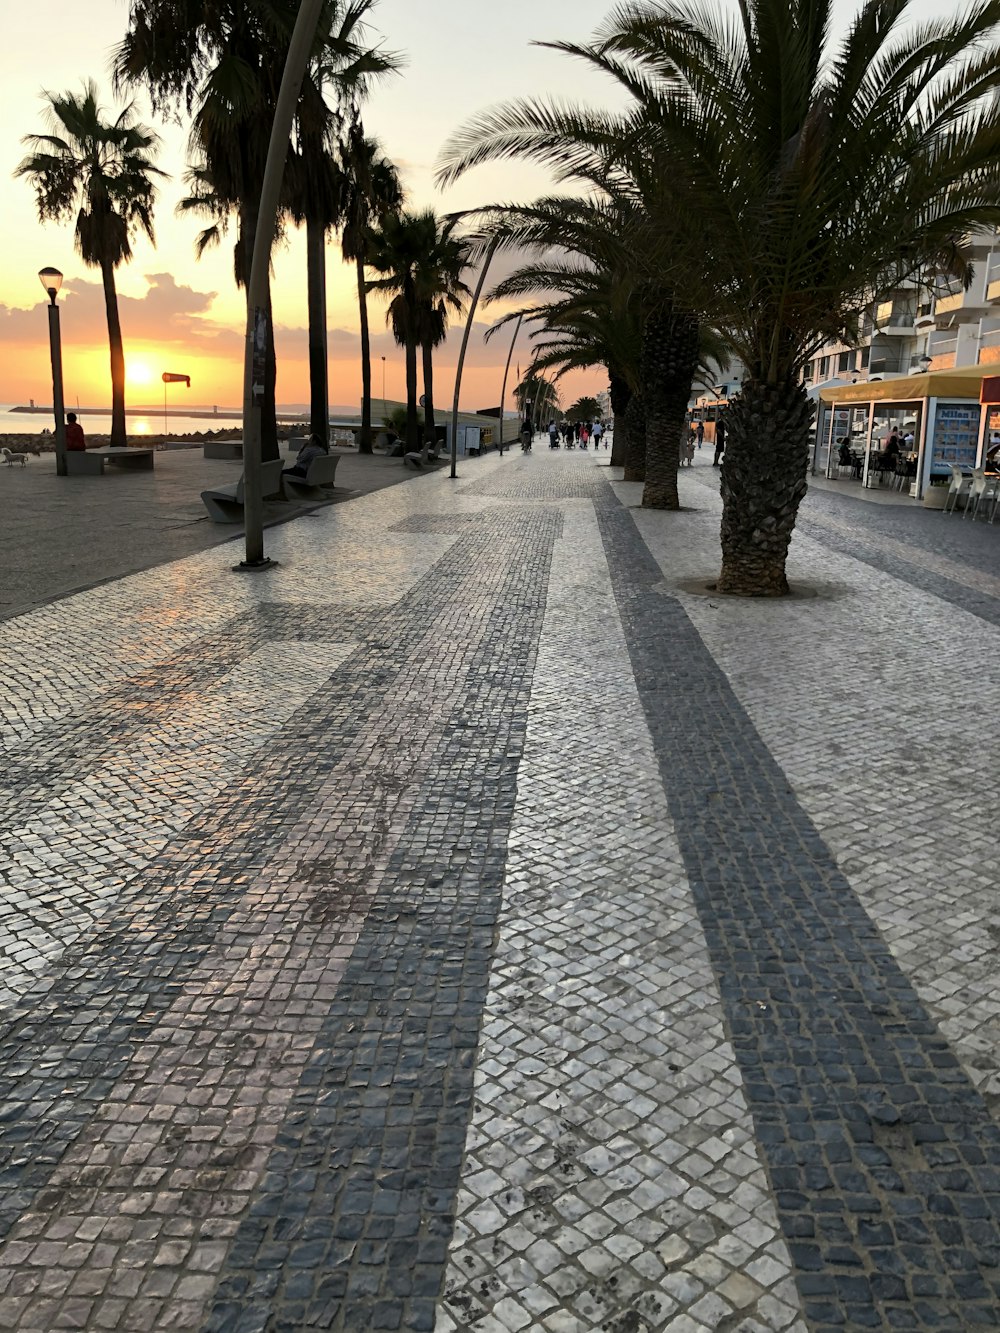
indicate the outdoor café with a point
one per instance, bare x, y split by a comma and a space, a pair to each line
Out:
940, 419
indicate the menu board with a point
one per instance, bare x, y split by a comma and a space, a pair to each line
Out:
956, 436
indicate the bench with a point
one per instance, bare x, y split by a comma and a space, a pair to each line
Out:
92, 462
228, 449
318, 481
225, 503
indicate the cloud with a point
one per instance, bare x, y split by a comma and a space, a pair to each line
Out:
168, 313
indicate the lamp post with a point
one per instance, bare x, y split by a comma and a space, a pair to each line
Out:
51, 280
924, 363
383, 386
491, 251
506, 372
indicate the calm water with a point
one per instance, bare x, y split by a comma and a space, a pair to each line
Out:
138, 423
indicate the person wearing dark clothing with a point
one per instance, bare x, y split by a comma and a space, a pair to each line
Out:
313, 448
720, 441
699, 433
74, 433
844, 456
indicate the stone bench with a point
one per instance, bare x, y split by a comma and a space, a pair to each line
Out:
231, 450
92, 462
225, 503
318, 481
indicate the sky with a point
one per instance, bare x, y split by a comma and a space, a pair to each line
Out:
183, 314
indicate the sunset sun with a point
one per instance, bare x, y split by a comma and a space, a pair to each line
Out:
138, 373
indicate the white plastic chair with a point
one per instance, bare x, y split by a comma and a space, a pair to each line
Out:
982, 488
958, 488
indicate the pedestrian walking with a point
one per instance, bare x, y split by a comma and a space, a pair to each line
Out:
584, 436
598, 433
699, 432
720, 441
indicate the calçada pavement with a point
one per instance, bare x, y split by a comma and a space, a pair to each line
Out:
465, 925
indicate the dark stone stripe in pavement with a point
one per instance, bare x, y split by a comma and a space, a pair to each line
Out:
350, 1229
977, 603
884, 1160
61, 1055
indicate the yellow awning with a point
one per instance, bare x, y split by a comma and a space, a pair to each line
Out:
962, 382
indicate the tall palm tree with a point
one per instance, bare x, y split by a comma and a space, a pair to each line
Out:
99, 172
421, 260
371, 190
395, 251
440, 292
222, 60
794, 184
317, 187
808, 178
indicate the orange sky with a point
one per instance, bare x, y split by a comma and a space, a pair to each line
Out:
184, 315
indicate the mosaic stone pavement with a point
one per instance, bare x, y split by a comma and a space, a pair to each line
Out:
465, 926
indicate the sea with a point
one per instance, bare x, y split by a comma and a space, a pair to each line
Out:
139, 421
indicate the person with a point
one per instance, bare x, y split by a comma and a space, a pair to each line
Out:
527, 433
891, 451
720, 441
688, 453
598, 432
844, 456
74, 433
699, 432
584, 436
553, 435
314, 447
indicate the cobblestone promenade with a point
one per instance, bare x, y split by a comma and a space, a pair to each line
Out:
467, 926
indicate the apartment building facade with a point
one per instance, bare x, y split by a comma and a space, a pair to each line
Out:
918, 327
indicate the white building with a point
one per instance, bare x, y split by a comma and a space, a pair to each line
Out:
932, 326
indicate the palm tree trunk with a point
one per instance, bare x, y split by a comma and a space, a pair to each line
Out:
319, 387
763, 482
365, 443
635, 439
669, 361
620, 394
430, 434
412, 426
118, 439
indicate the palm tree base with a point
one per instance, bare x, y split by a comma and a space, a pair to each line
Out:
660, 497
634, 473
763, 483
743, 577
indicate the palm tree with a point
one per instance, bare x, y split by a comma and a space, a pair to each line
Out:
807, 180
793, 185
223, 60
440, 291
584, 409
100, 173
421, 261
317, 187
371, 190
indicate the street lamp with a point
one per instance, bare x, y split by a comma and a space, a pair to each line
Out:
924, 363
51, 280
383, 386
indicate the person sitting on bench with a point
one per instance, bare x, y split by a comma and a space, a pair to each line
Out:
313, 448
74, 434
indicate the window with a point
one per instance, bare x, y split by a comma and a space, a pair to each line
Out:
843, 362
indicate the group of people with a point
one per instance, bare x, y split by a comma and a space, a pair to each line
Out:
695, 438
573, 433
